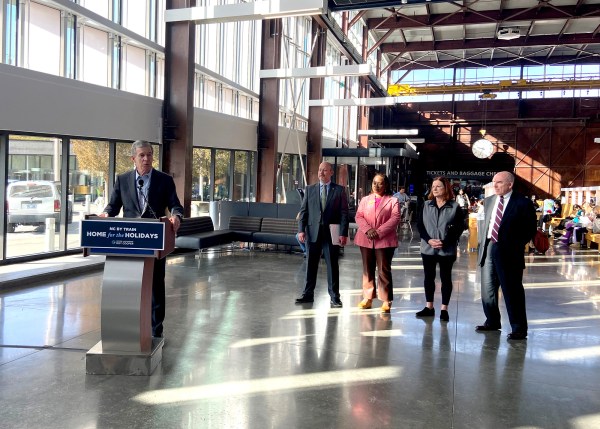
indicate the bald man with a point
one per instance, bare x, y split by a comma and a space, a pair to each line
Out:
324, 204
510, 223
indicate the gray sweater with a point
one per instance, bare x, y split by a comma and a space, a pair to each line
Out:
445, 223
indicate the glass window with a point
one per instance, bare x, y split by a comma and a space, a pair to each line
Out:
241, 176
115, 61
243, 106
222, 176
87, 180
228, 105
151, 77
33, 196
69, 47
160, 18
135, 16
101, 7
10, 31
289, 179
94, 56
134, 69
201, 174
160, 77
44, 45
124, 162
210, 95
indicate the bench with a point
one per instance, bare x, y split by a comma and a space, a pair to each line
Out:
592, 238
277, 231
242, 228
199, 233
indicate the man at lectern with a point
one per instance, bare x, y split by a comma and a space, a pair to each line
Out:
147, 193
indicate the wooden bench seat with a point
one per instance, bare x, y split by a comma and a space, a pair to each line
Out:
592, 238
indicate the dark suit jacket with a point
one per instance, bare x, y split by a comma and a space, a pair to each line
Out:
336, 211
517, 228
162, 196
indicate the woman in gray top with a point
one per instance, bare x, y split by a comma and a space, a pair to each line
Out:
440, 226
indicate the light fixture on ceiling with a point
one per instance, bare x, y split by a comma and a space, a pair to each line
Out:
509, 33
597, 140
483, 148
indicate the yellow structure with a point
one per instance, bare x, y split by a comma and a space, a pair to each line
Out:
498, 86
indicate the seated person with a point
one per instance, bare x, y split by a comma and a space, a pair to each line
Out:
567, 225
554, 211
403, 202
581, 227
594, 228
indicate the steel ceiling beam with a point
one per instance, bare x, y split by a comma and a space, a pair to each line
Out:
485, 43
506, 16
347, 48
508, 62
381, 4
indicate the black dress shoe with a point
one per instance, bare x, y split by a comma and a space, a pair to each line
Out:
305, 299
444, 316
517, 336
486, 328
426, 312
336, 304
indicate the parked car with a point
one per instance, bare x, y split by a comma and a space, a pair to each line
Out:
31, 202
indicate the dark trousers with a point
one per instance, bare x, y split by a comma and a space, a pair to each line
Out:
580, 232
430, 263
331, 254
158, 296
497, 273
382, 259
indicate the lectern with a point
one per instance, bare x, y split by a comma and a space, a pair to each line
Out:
131, 245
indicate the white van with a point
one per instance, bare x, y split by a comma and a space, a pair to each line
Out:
31, 202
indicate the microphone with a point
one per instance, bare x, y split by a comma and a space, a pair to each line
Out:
145, 199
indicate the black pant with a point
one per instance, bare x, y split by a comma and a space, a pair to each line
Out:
499, 272
429, 267
331, 254
158, 296
580, 232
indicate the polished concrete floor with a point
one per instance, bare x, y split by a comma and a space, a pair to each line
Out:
240, 354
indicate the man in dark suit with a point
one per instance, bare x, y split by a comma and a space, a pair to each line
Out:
510, 223
147, 193
324, 204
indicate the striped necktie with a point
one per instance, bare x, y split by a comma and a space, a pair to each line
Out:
323, 197
498, 219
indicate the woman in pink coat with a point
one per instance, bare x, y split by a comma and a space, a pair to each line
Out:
377, 217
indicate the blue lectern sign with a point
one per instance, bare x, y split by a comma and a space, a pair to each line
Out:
132, 238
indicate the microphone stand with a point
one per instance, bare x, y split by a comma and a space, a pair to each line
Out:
145, 199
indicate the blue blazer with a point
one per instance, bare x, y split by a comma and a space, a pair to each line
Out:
336, 210
162, 196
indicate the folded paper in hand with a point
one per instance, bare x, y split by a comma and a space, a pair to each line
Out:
334, 230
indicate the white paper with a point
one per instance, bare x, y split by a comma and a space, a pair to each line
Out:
334, 230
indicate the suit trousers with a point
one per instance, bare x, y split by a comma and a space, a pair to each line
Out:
331, 253
508, 275
158, 296
382, 259
430, 263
